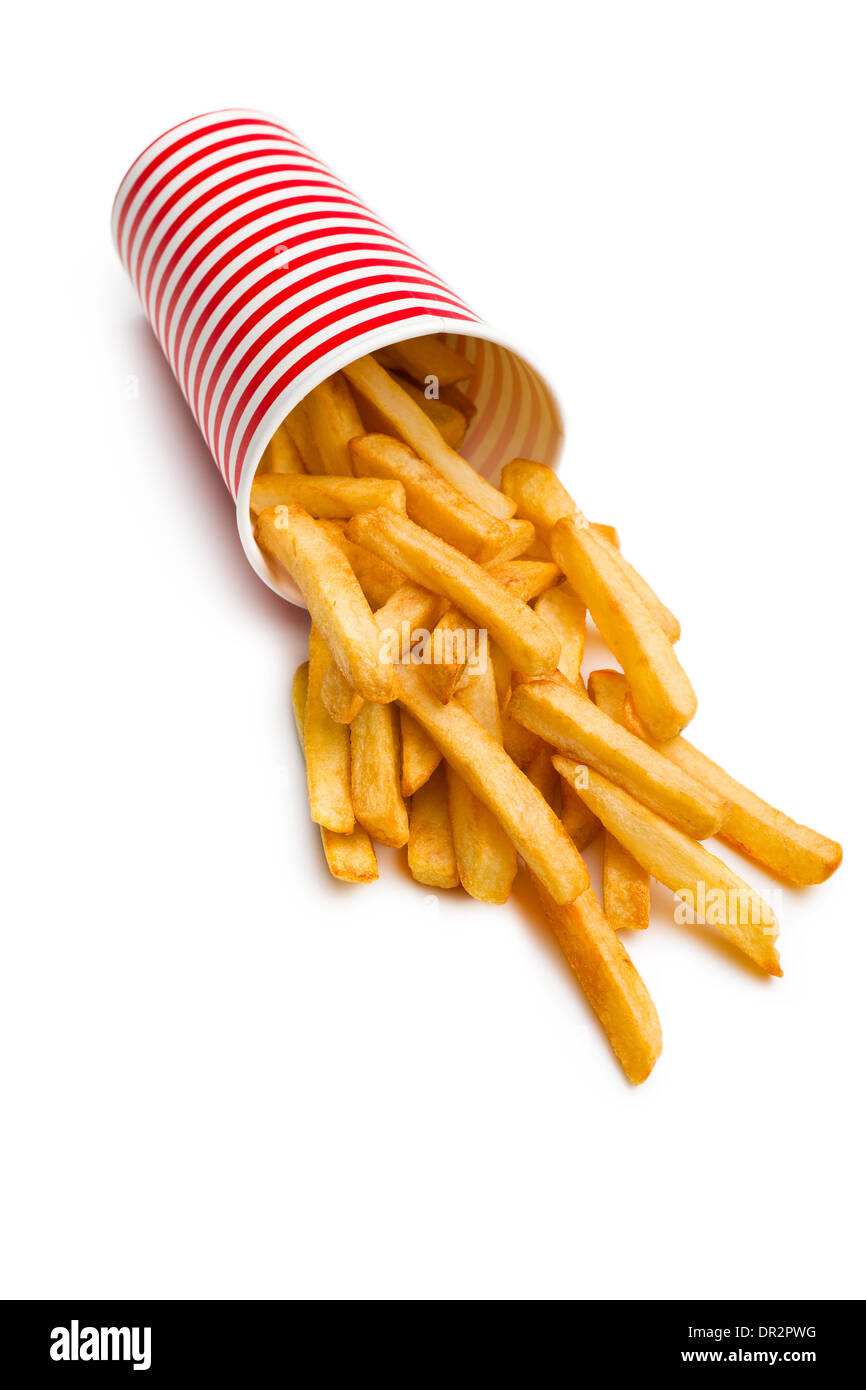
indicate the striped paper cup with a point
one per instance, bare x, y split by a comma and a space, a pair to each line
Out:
262, 274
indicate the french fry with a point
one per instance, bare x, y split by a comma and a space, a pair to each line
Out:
297, 426
752, 826
281, 454
604, 970
337, 606
431, 500
525, 579
378, 579
663, 696
487, 770
625, 887
544, 776
326, 749
519, 743
565, 615
541, 497
578, 820
334, 421
449, 421
625, 883
431, 847
420, 756
426, 357
410, 607
566, 718
375, 767
716, 895
324, 496
518, 538
452, 395
350, 858
486, 859
408, 422
527, 643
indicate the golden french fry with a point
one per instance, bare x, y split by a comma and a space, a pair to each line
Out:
625, 886
350, 858
663, 696
520, 745
543, 775
565, 717
519, 534
420, 756
377, 578
542, 498
578, 820
625, 883
297, 426
608, 977
430, 499
527, 643
408, 608
324, 496
281, 454
609, 980
375, 761
449, 421
565, 615
326, 749
452, 395
334, 421
539, 550
486, 859
752, 826
704, 883
431, 847
331, 592
426, 357
488, 771
408, 422
525, 579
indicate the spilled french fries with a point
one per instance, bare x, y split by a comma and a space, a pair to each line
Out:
443, 710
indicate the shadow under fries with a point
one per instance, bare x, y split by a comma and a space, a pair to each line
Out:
185, 451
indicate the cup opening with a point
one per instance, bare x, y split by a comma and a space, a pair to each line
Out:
515, 415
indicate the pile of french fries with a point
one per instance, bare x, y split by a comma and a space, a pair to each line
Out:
443, 707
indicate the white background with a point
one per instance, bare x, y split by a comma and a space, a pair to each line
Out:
223, 1075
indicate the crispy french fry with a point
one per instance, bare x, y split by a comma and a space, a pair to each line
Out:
625, 887
431, 847
565, 717
527, 643
609, 980
377, 578
326, 749
332, 594
488, 771
449, 421
752, 826
324, 496
541, 497
375, 764
578, 820
565, 615
408, 422
420, 756
486, 859
518, 538
334, 421
625, 883
452, 395
525, 579
350, 858
281, 454
410, 607
297, 426
519, 743
716, 895
663, 695
452, 639
543, 775
426, 357
430, 499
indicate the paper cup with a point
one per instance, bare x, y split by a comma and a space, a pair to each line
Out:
262, 274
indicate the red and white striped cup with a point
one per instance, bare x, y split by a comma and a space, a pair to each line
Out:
262, 274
